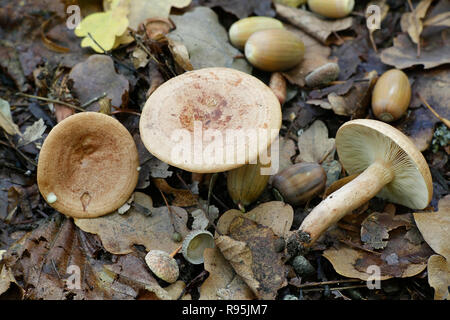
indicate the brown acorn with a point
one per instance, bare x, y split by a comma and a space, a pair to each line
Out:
332, 8
391, 95
274, 50
246, 184
300, 182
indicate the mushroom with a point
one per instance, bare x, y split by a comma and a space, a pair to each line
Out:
389, 166
189, 121
88, 165
163, 265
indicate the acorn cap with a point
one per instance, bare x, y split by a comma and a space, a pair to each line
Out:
195, 243
162, 265
361, 142
88, 165
219, 99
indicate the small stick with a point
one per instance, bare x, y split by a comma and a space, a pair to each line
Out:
84, 105
173, 254
50, 100
337, 288
323, 283
445, 121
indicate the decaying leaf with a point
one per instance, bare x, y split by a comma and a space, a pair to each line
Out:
32, 133
412, 21
287, 151
46, 258
252, 248
314, 144
353, 103
435, 227
375, 228
120, 232
223, 283
310, 23
242, 9
439, 276
95, 76
100, 29
141, 10
403, 53
6, 121
206, 40
182, 197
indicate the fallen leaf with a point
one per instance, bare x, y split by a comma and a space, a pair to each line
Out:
140, 58
314, 144
418, 125
435, 227
141, 10
51, 258
251, 248
316, 27
206, 40
287, 150
182, 197
276, 215
439, 277
375, 228
120, 232
180, 55
242, 9
412, 21
6, 121
95, 76
32, 133
104, 27
222, 283
403, 53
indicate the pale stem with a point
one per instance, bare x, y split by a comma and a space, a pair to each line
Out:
346, 199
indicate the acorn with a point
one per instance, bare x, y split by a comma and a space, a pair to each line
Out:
291, 3
274, 50
332, 8
391, 95
242, 29
300, 182
245, 184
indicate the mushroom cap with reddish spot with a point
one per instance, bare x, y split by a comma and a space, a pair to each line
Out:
162, 265
361, 142
191, 120
89, 161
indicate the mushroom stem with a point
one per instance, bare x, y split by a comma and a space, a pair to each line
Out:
341, 202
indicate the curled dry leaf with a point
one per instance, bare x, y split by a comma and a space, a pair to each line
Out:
251, 248
412, 23
314, 144
120, 232
353, 103
223, 283
318, 28
435, 227
97, 75
439, 276
6, 121
206, 40
32, 133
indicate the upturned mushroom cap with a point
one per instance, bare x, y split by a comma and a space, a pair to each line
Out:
88, 165
361, 142
198, 112
162, 265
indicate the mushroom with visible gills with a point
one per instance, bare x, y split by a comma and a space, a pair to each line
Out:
180, 113
389, 166
88, 165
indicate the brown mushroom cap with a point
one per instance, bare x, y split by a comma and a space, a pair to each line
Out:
218, 99
361, 142
89, 161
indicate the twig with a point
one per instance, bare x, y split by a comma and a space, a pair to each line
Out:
11, 144
445, 121
337, 288
50, 100
323, 283
84, 105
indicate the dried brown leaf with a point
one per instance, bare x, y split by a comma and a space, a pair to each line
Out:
439, 276
314, 144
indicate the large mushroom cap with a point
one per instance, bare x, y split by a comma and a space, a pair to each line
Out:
361, 142
198, 113
88, 165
